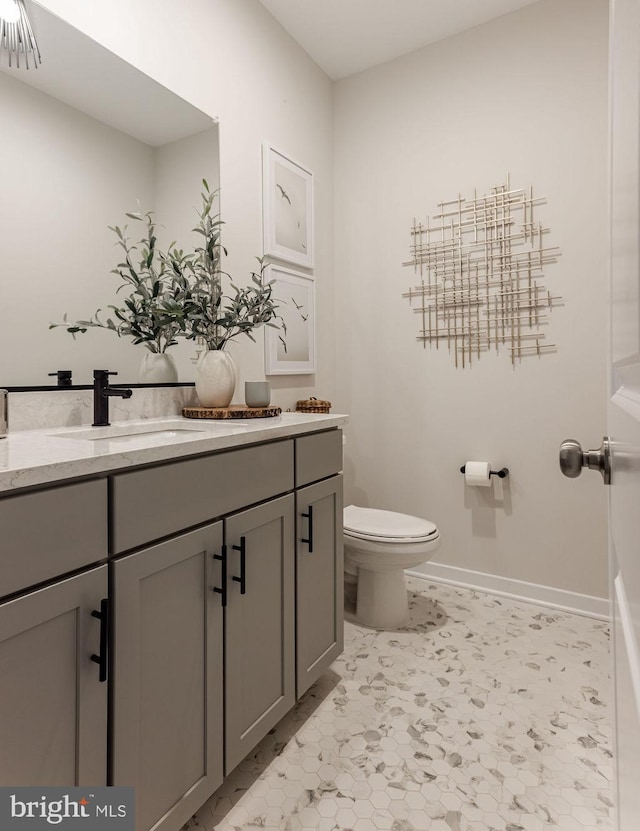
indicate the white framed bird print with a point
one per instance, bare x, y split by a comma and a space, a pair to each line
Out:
290, 349
287, 212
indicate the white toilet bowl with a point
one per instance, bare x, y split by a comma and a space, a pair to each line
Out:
378, 547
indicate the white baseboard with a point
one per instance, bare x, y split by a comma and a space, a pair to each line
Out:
565, 601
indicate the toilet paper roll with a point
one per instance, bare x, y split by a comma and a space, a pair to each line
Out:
477, 474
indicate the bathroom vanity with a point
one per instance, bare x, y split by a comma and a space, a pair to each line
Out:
167, 597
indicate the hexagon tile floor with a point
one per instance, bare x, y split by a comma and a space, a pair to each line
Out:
485, 714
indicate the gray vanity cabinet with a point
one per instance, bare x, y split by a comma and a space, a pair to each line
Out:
319, 580
167, 676
211, 592
53, 708
259, 624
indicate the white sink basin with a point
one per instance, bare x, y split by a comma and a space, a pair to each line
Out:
147, 434
122, 432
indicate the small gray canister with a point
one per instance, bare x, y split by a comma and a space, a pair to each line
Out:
4, 413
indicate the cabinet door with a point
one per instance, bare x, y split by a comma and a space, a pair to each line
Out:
167, 699
319, 580
259, 620
53, 708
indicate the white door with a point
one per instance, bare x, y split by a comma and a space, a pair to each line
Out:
624, 408
624, 404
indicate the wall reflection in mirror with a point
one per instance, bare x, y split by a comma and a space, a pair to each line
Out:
87, 138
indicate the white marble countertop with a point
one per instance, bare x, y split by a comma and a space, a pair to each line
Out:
45, 456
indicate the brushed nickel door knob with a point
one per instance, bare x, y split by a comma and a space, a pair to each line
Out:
573, 459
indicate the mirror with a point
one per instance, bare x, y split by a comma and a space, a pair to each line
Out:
87, 138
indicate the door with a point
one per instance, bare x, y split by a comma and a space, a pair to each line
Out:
167, 677
319, 580
624, 404
53, 706
259, 624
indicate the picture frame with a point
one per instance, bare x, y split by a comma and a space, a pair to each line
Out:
287, 194
294, 293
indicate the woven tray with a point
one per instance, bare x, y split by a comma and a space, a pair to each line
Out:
235, 411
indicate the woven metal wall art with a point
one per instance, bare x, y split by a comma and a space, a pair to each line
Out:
481, 276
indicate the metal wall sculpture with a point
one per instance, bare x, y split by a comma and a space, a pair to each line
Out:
481, 271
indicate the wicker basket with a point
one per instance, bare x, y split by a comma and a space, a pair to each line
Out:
313, 405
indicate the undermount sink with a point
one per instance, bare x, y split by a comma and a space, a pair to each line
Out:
124, 433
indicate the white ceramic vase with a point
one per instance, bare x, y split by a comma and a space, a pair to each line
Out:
158, 368
215, 378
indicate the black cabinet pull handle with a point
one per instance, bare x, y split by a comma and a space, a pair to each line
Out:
309, 540
102, 658
222, 557
242, 548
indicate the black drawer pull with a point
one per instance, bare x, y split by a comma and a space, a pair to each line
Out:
222, 557
102, 658
309, 540
242, 548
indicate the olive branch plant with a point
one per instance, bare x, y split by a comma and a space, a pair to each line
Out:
149, 312
209, 314
175, 294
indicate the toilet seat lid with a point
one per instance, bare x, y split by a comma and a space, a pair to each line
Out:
374, 524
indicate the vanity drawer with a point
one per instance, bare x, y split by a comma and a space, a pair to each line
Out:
152, 503
318, 456
48, 533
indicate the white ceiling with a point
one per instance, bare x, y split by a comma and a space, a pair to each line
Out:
347, 36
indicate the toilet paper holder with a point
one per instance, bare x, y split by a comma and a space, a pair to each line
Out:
502, 473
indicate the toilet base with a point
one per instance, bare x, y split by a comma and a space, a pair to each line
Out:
350, 594
382, 599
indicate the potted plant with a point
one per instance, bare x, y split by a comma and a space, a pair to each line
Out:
211, 316
151, 313
177, 294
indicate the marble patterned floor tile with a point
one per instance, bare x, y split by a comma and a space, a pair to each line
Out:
485, 714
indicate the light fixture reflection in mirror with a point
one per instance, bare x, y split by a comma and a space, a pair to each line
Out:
16, 35
84, 153
9, 11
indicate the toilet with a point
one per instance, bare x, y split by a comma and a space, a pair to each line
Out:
378, 547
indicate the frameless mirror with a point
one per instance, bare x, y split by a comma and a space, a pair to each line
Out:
87, 138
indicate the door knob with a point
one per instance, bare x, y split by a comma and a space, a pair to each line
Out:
573, 459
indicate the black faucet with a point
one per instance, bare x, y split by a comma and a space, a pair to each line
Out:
63, 376
101, 394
